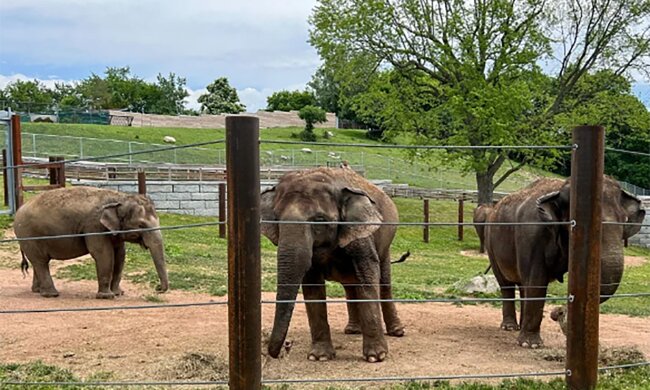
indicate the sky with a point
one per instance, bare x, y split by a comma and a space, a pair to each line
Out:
259, 45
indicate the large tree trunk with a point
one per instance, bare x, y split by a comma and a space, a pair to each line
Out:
485, 185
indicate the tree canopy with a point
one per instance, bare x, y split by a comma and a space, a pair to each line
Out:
221, 98
289, 100
469, 73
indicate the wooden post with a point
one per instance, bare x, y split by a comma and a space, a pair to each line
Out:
461, 216
4, 176
142, 182
222, 210
587, 166
17, 159
57, 176
425, 229
244, 253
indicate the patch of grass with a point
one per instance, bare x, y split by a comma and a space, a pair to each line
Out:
153, 298
36, 372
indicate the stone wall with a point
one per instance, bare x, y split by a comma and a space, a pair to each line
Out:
177, 197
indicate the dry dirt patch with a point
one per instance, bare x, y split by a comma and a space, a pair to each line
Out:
176, 343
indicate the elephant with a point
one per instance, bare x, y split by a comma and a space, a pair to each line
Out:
357, 256
80, 210
532, 256
481, 214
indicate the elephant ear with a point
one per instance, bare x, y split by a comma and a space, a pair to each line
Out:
634, 213
554, 206
109, 217
357, 206
270, 230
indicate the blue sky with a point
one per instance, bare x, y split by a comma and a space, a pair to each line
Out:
259, 45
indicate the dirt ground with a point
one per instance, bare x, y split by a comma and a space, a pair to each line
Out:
162, 344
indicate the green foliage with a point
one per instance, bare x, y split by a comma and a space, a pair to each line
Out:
290, 100
221, 98
311, 115
28, 96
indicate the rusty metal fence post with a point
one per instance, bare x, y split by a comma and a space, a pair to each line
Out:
461, 216
17, 160
142, 182
587, 166
4, 176
222, 210
244, 268
425, 229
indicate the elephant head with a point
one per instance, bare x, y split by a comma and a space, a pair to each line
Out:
138, 212
617, 206
312, 199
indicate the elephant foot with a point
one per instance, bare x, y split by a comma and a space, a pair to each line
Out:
49, 293
322, 352
530, 340
375, 352
105, 295
352, 328
117, 291
509, 325
396, 330
36, 289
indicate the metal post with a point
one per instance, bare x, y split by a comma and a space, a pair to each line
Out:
142, 182
222, 210
244, 268
4, 176
587, 165
461, 217
10, 177
130, 155
33, 145
425, 230
17, 157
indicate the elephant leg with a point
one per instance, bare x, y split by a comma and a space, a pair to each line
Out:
42, 278
321, 340
366, 265
118, 266
354, 325
36, 286
509, 312
101, 249
394, 326
531, 316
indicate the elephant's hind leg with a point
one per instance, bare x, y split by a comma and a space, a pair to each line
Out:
394, 326
509, 312
354, 325
101, 249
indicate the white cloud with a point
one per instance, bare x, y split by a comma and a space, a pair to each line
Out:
49, 83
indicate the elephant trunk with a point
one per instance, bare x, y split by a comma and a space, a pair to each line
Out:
611, 267
153, 240
293, 262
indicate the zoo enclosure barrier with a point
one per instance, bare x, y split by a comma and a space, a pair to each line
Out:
244, 270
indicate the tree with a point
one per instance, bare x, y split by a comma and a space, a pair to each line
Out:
95, 92
29, 96
172, 93
290, 100
221, 99
472, 66
311, 115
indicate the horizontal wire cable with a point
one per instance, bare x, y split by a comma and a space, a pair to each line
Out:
112, 308
116, 232
416, 300
629, 365
115, 383
558, 223
109, 156
627, 295
627, 152
625, 223
419, 285
426, 147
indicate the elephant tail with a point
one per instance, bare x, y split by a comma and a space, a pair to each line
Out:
403, 258
24, 265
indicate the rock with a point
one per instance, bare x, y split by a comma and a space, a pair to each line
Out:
169, 139
68, 355
306, 150
284, 158
329, 134
479, 284
269, 153
559, 315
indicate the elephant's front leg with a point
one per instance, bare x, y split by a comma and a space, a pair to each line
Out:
313, 288
366, 266
531, 316
101, 249
118, 266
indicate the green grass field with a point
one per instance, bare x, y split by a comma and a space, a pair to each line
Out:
197, 259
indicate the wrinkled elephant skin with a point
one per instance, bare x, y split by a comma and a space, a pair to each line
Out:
358, 256
79, 210
531, 256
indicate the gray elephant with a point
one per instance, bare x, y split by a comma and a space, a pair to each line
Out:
532, 256
481, 214
358, 256
87, 210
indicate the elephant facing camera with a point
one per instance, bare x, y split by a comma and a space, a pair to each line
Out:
81, 210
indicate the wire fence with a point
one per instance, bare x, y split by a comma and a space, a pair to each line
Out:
460, 300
